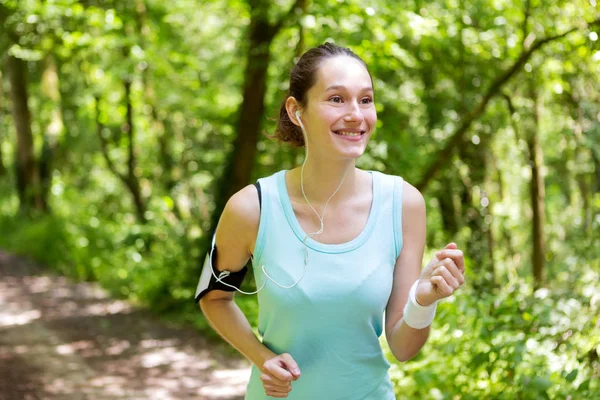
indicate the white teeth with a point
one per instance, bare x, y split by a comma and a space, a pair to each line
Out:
348, 133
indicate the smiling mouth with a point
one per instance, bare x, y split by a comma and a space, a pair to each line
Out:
349, 133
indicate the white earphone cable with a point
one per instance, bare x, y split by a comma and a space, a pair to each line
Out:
225, 274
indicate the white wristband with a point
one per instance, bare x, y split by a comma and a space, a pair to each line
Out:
415, 315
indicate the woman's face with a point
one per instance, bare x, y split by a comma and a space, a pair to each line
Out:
340, 115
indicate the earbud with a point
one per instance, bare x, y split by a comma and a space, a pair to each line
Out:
298, 114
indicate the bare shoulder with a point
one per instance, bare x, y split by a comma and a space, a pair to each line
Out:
236, 232
238, 225
412, 199
244, 207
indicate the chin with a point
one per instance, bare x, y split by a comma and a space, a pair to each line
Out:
351, 153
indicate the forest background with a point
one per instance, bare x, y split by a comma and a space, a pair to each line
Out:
126, 125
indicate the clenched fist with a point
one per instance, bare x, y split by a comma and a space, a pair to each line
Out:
442, 276
277, 375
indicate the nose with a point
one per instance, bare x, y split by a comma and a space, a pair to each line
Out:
354, 113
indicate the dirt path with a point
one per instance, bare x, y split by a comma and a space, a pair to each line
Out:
60, 340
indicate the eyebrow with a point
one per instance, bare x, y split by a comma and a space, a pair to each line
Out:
338, 87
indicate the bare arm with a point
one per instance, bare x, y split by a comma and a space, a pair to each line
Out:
228, 320
235, 237
404, 341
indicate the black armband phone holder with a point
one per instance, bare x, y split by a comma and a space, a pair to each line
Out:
209, 282
223, 279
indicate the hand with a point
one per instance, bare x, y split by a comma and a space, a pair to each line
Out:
442, 276
277, 375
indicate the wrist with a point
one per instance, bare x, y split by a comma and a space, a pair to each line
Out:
263, 355
424, 301
416, 315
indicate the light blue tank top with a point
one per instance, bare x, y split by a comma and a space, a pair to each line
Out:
331, 321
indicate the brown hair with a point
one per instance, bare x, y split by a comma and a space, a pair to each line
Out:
302, 77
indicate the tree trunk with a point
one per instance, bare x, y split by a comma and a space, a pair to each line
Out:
537, 193
488, 220
2, 124
132, 180
596, 162
54, 128
512, 271
25, 164
239, 165
445, 193
129, 178
445, 197
238, 170
295, 152
583, 178
159, 125
69, 110
479, 243
2, 167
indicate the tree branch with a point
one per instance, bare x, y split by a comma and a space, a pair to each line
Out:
444, 155
512, 111
129, 128
525, 26
104, 143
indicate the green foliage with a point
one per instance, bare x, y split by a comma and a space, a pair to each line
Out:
510, 344
432, 63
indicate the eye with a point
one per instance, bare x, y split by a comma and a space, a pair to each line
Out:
366, 100
335, 99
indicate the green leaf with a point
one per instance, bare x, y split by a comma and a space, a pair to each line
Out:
572, 375
541, 383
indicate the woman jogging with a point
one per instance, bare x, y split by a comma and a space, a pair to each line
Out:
332, 248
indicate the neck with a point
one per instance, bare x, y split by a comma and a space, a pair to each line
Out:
322, 179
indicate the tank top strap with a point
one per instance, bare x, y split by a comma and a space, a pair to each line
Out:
398, 185
391, 190
267, 191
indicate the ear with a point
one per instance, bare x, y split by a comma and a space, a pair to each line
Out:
292, 105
